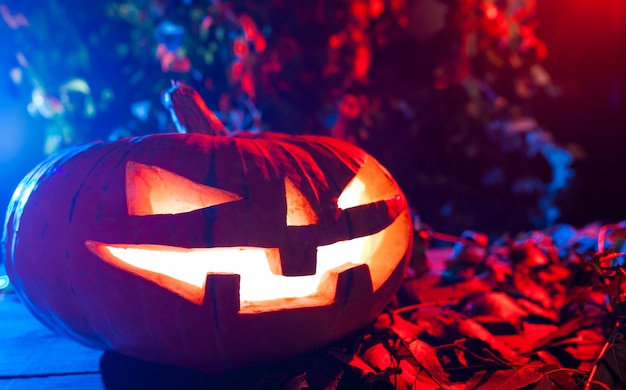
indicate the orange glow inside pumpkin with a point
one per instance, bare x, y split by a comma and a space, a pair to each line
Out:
184, 270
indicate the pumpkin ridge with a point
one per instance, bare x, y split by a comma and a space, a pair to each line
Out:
311, 173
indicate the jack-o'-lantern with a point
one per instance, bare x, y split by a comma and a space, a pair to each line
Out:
208, 251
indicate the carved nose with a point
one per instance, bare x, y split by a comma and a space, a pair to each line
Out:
297, 254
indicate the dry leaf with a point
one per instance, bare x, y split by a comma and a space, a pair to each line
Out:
471, 328
512, 379
587, 346
298, 382
352, 360
537, 310
562, 331
549, 359
379, 357
544, 384
407, 331
498, 304
426, 357
559, 377
532, 290
533, 333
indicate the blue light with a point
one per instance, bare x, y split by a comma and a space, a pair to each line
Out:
4, 282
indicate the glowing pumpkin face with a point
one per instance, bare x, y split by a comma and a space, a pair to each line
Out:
294, 242
205, 251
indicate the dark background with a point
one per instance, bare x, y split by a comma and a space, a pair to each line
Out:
587, 44
586, 41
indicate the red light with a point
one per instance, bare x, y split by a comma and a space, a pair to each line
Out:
376, 8
247, 85
491, 11
237, 70
240, 47
362, 62
206, 23
181, 65
350, 107
260, 44
335, 41
249, 28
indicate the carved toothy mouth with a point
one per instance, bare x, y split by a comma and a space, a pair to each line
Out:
371, 225
186, 272
189, 268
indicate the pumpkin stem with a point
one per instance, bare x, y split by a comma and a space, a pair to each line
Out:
189, 112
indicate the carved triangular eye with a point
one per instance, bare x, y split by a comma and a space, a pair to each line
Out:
299, 210
152, 190
372, 183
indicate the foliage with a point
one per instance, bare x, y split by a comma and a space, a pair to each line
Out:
440, 91
542, 310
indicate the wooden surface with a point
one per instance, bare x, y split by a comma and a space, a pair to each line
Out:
33, 357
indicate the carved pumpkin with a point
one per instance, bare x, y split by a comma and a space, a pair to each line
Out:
209, 252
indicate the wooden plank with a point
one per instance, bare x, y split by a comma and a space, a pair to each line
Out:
84, 381
28, 348
33, 357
